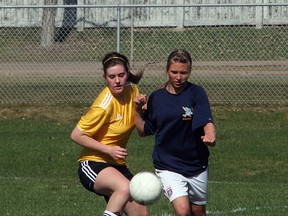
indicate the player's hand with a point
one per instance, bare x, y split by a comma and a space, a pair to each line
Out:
140, 102
209, 140
118, 153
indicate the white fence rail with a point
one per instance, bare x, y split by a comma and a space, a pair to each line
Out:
175, 14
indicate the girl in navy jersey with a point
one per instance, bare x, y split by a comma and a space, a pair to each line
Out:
180, 117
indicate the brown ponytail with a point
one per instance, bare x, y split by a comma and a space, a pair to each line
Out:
114, 58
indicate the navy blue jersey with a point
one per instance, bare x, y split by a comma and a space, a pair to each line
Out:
177, 120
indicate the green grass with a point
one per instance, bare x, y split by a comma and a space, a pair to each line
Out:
60, 89
206, 43
38, 172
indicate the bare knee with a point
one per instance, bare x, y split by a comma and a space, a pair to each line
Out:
198, 210
181, 206
182, 212
123, 191
134, 209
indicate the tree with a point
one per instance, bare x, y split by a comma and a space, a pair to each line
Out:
48, 23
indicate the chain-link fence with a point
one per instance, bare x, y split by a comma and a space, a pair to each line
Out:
52, 54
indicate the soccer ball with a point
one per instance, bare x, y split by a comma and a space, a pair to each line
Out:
145, 188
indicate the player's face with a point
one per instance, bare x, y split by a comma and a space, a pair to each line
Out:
116, 78
178, 74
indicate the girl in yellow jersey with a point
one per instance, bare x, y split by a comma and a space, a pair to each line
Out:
103, 133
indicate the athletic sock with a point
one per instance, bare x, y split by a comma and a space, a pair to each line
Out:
108, 213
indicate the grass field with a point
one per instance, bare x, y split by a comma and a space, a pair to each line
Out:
60, 89
232, 43
38, 172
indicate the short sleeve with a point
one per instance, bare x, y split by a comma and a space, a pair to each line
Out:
93, 120
150, 122
202, 111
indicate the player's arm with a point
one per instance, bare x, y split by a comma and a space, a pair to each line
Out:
84, 140
209, 137
140, 102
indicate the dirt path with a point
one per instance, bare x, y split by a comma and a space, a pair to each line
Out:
275, 68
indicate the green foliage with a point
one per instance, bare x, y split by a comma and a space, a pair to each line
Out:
248, 167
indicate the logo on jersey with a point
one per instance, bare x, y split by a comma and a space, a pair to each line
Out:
187, 113
118, 117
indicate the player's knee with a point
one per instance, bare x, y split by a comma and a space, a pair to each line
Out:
134, 209
181, 206
181, 210
198, 210
124, 190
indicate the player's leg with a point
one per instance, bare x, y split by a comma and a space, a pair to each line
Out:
181, 206
198, 210
134, 209
117, 187
198, 193
176, 190
106, 181
110, 182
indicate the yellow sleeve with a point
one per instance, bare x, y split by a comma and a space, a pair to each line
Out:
136, 89
93, 120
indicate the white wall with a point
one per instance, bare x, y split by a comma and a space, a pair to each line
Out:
147, 17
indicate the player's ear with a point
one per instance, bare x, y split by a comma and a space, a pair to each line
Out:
104, 77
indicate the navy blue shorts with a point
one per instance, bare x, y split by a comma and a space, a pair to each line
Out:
88, 171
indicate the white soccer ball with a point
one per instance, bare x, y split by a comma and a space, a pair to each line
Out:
145, 188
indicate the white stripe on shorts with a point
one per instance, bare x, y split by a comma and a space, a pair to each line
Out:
88, 171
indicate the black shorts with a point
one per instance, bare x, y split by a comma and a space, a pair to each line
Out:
88, 171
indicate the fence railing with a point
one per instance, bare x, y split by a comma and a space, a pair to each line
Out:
59, 60
263, 12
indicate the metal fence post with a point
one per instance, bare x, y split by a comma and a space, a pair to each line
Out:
259, 15
118, 27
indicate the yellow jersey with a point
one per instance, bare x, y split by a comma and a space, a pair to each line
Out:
110, 122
